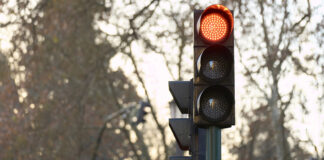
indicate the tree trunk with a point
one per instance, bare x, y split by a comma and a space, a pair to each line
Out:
282, 146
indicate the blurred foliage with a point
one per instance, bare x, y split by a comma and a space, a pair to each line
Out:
67, 82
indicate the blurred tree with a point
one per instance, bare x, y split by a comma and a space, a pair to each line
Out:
9, 105
65, 89
270, 45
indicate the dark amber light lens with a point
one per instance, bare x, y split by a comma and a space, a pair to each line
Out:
215, 63
214, 27
216, 66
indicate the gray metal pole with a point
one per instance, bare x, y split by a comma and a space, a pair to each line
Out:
213, 144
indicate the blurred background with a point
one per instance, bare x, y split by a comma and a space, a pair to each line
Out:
76, 77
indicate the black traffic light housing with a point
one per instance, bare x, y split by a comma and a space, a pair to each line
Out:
218, 56
181, 127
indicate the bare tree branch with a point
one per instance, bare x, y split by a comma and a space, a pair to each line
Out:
286, 104
282, 30
249, 73
154, 48
264, 26
159, 126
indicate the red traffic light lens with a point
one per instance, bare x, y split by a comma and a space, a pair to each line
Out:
216, 24
214, 27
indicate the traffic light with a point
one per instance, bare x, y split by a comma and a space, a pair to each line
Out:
209, 97
213, 82
142, 112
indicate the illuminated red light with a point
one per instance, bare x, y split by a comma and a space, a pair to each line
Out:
216, 24
214, 27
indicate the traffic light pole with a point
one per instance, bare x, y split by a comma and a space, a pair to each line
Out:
213, 143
